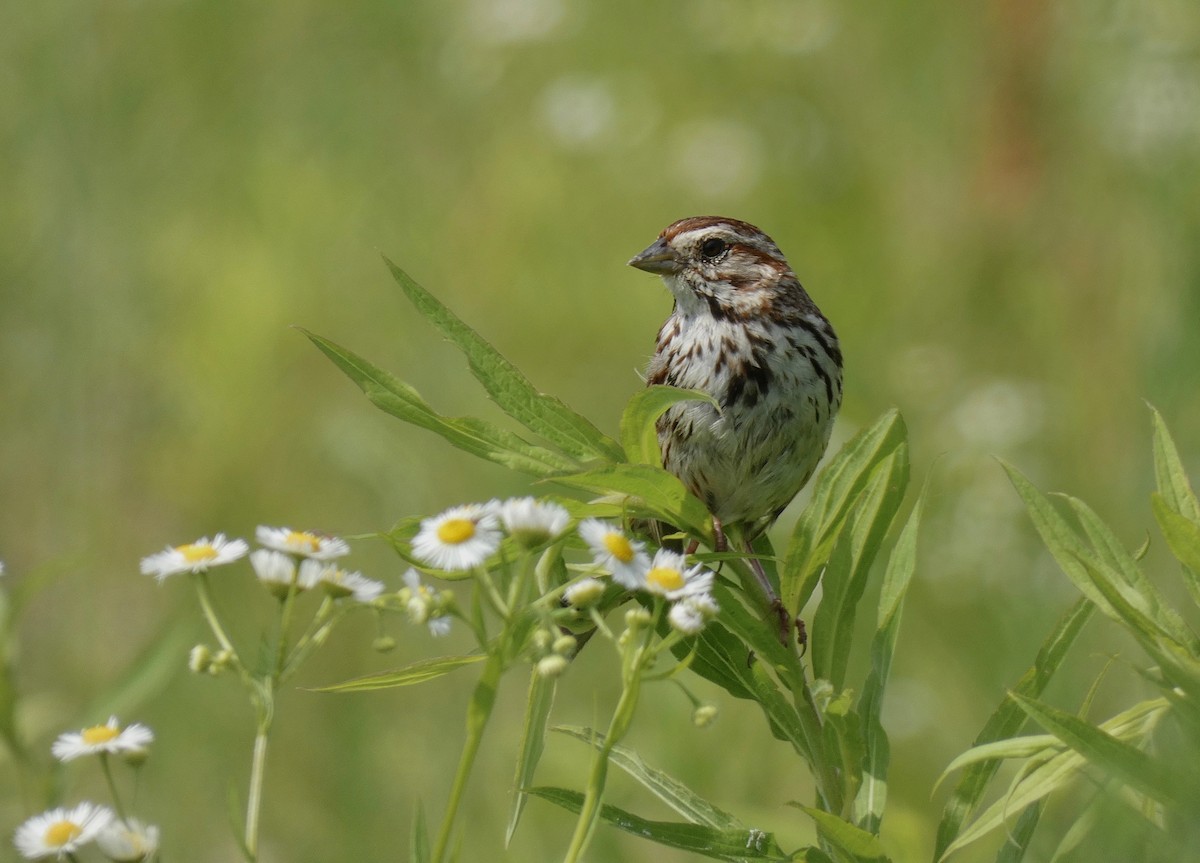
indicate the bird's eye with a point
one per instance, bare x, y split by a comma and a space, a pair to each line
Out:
713, 248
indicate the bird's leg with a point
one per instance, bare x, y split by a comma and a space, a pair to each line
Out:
774, 602
720, 543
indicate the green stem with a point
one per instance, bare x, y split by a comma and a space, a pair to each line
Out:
478, 713
106, 768
622, 718
830, 796
258, 769
285, 625
316, 634
210, 614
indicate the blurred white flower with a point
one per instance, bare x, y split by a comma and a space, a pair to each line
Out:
61, 832
460, 538
531, 522
340, 584
194, 557
690, 614
615, 552
670, 576
107, 738
304, 543
128, 841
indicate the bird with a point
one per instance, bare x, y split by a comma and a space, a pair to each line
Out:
744, 331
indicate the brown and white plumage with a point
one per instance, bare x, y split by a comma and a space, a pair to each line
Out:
746, 332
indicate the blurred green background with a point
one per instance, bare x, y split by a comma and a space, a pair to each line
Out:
996, 204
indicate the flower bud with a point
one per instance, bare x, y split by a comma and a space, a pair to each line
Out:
552, 665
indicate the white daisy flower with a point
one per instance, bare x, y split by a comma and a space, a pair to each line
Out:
691, 613
460, 538
60, 832
304, 543
278, 573
108, 738
530, 521
626, 559
128, 841
670, 576
439, 626
194, 557
340, 584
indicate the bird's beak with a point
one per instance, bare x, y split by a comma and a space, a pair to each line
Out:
658, 258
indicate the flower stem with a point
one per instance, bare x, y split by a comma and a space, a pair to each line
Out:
106, 768
210, 614
622, 718
258, 769
478, 713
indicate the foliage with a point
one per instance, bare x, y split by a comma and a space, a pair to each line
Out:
1137, 756
834, 729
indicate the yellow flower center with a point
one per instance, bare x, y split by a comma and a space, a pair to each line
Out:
619, 547
454, 531
666, 578
98, 734
60, 833
304, 538
197, 552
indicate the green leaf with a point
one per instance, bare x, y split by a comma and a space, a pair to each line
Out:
639, 433
872, 794
1131, 604
1052, 770
652, 492
850, 840
1155, 778
1183, 536
1017, 841
1116, 560
694, 838
1005, 722
417, 672
666, 788
533, 740
542, 414
471, 435
419, 850
1172, 479
838, 485
845, 578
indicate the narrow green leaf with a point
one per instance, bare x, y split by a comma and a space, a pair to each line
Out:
1155, 778
850, 840
639, 433
665, 787
872, 794
721, 658
1115, 560
1172, 479
845, 578
1052, 772
1005, 722
418, 849
651, 491
1018, 839
533, 740
1183, 536
694, 838
838, 484
1095, 579
417, 672
540, 413
475, 436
